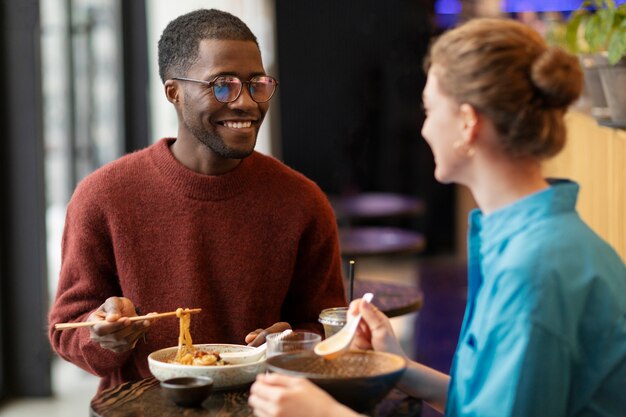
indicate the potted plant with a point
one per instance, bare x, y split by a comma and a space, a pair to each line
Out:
604, 26
597, 32
566, 35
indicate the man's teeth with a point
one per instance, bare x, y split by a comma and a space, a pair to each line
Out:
238, 125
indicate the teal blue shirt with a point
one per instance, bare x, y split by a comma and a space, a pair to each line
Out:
544, 332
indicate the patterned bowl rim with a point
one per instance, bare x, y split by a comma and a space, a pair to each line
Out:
399, 366
166, 365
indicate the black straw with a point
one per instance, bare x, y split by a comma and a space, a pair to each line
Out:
351, 278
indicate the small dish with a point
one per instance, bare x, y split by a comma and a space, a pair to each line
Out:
187, 391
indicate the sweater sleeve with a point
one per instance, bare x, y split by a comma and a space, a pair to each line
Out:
88, 277
318, 282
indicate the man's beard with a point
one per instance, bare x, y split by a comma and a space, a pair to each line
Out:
214, 142
217, 145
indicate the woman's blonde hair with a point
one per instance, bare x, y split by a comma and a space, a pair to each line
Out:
505, 70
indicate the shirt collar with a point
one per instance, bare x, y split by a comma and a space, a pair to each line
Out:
559, 197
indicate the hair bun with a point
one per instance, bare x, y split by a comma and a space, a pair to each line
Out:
558, 77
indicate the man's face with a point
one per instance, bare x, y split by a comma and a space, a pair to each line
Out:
228, 129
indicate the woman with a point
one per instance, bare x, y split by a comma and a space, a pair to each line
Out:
544, 332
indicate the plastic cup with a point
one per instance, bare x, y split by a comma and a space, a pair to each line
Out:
278, 343
333, 319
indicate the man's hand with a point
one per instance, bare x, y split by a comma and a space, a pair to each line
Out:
257, 337
116, 332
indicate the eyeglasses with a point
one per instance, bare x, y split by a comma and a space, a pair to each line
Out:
227, 88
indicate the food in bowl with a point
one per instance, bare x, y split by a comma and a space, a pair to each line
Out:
357, 379
200, 358
224, 376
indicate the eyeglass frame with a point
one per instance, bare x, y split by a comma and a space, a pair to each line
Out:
211, 84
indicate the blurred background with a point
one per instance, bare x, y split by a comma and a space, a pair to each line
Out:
81, 88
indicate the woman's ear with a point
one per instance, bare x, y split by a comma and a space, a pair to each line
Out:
470, 120
171, 91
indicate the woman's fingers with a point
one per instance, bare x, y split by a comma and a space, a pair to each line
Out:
265, 394
375, 330
281, 395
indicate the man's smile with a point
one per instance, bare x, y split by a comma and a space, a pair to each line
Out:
240, 124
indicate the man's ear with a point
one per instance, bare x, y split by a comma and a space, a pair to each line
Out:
470, 120
172, 91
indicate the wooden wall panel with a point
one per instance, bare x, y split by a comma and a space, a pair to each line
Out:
595, 157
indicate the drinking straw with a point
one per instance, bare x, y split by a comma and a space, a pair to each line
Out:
351, 278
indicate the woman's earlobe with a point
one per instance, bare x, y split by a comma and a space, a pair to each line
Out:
464, 147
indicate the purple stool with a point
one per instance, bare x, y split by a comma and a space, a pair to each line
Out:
376, 240
375, 205
372, 240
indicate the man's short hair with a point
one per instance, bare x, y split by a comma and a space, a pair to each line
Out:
179, 43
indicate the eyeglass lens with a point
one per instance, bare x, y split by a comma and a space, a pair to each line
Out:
227, 89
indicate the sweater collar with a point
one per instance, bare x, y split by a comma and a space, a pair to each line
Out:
199, 186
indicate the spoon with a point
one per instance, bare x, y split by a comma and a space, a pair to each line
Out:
340, 341
248, 355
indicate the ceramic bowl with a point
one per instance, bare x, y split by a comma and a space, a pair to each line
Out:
224, 376
187, 391
358, 379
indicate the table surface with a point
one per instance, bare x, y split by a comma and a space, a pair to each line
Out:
392, 299
143, 398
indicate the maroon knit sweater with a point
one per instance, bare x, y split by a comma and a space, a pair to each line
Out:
251, 247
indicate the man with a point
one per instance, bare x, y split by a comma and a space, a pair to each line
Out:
197, 221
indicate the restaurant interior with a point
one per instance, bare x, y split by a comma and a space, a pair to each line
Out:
82, 89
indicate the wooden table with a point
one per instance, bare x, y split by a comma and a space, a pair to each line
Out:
143, 398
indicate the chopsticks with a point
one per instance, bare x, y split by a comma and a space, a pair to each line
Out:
64, 326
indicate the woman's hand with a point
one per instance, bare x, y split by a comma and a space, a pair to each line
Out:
257, 337
276, 395
117, 333
375, 331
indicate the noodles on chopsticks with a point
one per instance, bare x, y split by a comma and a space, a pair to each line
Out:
187, 354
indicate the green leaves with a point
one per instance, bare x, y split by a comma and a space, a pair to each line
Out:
597, 29
571, 32
617, 43
603, 26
